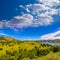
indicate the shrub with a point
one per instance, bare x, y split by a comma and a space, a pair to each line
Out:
56, 49
1, 48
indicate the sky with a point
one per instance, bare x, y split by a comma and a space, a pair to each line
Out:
30, 19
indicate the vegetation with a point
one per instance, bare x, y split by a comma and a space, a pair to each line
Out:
51, 41
56, 41
12, 49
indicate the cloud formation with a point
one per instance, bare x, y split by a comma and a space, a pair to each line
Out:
37, 14
51, 36
50, 3
17, 22
3, 34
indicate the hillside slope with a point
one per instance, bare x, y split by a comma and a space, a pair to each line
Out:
12, 49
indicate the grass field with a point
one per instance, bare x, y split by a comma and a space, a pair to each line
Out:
12, 49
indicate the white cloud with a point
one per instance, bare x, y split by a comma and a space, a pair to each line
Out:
3, 34
51, 36
4, 23
27, 10
17, 22
25, 20
36, 8
21, 6
38, 14
50, 3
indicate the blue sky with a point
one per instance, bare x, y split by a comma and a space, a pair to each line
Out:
30, 19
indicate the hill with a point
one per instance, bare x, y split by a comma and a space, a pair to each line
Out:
5, 39
56, 41
51, 41
12, 49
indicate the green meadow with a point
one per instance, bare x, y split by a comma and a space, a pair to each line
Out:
12, 49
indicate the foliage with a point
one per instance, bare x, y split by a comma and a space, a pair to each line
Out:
11, 49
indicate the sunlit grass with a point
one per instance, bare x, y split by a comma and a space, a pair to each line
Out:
27, 50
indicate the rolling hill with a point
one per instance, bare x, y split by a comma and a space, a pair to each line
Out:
12, 49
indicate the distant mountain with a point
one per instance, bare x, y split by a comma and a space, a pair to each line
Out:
56, 41
51, 41
10, 39
7, 39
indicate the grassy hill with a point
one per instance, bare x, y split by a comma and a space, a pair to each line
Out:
12, 49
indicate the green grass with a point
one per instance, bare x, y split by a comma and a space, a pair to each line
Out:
50, 56
12, 49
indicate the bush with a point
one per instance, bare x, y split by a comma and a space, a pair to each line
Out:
56, 49
1, 48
